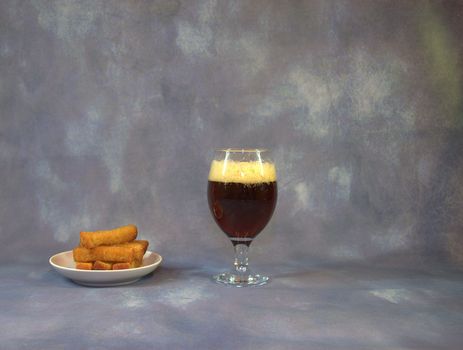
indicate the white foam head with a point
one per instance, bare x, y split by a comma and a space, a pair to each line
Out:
242, 172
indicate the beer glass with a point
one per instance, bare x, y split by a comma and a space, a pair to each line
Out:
242, 194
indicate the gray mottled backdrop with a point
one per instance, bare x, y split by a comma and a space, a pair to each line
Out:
110, 110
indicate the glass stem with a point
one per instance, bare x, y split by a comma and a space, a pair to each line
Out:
241, 259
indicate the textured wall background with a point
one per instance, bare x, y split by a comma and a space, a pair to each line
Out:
110, 111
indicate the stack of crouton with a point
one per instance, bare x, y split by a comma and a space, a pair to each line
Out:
114, 249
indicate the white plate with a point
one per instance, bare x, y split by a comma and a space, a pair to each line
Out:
64, 264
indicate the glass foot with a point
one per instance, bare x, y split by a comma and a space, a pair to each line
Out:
241, 280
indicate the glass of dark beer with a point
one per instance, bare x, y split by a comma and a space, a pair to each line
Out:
242, 195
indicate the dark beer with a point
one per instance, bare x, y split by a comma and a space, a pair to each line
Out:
242, 210
242, 194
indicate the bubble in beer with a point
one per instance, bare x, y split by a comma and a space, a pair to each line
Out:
242, 172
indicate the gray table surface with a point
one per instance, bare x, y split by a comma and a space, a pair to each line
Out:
306, 306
